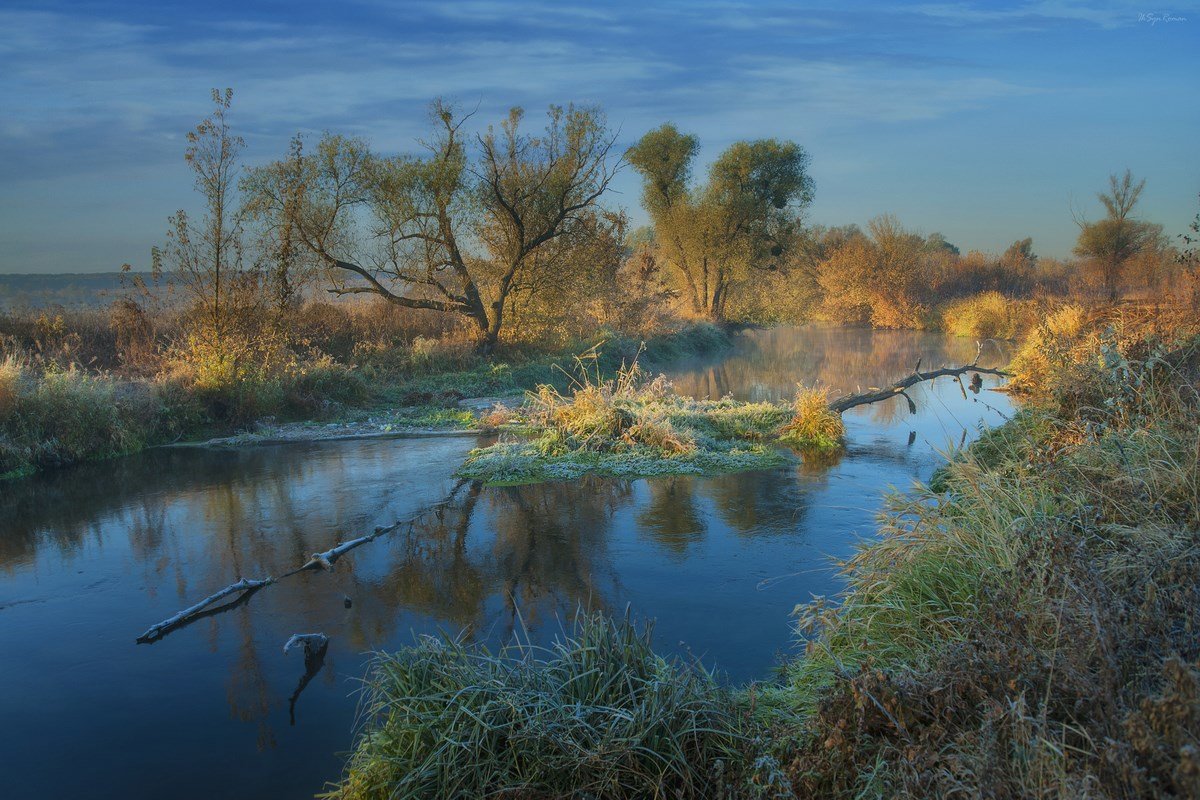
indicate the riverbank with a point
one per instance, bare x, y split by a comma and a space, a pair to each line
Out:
52, 418
1023, 626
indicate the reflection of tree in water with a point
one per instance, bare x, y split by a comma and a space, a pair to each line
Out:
428, 571
764, 503
750, 503
249, 694
671, 517
550, 552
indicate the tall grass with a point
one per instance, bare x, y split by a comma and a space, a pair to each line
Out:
989, 315
597, 715
628, 426
1013, 629
814, 426
61, 417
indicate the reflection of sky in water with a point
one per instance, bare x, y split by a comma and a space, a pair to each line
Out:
91, 556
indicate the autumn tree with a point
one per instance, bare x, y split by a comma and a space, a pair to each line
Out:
1114, 241
746, 217
458, 229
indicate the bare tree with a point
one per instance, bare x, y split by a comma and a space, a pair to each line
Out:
447, 231
206, 257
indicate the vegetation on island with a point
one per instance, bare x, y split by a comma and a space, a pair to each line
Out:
628, 426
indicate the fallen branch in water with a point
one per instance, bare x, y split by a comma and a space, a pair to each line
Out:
850, 401
311, 642
327, 559
245, 587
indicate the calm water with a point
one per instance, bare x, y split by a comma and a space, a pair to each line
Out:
92, 556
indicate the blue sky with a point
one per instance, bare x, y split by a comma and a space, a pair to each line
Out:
985, 121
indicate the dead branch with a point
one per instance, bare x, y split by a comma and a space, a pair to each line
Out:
315, 647
850, 401
245, 587
327, 559
311, 642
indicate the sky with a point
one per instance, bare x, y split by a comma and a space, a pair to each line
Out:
987, 122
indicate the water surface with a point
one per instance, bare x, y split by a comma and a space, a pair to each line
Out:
92, 556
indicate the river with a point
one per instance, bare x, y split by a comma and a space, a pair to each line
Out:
93, 555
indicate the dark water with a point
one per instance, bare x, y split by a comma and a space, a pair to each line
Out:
90, 557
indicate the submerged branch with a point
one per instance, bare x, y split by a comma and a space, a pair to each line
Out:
247, 587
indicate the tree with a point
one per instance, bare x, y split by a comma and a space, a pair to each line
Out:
1018, 264
747, 215
206, 257
936, 243
882, 278
449, 231
1113, 241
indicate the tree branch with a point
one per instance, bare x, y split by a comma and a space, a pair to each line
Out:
850, 401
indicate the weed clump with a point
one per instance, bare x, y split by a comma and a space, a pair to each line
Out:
597, 714
989, 315
815, 426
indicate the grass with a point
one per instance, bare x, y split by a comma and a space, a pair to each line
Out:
65, 416
989, 315
633, 426
813, 426
597, 715
1024, 628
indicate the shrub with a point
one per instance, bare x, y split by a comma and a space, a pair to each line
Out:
317, 385
63, 417
1048, 349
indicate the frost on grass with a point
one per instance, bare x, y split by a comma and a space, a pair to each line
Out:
628, 427
513, 463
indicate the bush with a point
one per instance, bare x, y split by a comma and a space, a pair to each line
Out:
318, 385
597, 715
989, 315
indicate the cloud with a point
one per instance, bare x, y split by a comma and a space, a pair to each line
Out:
100, 93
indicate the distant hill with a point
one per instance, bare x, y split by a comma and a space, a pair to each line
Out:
90, 289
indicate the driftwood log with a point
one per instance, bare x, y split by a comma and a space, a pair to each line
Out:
315, 646
843, 404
